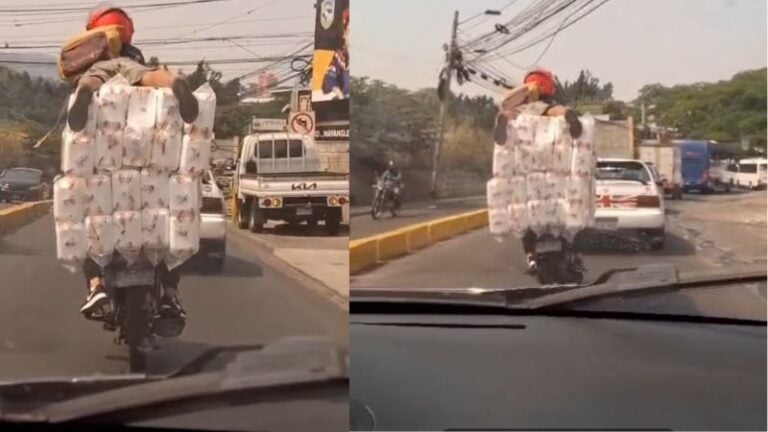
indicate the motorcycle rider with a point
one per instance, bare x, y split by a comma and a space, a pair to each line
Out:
131, 65
393, 175
536, 96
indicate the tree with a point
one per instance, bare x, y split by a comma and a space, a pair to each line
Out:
586, 88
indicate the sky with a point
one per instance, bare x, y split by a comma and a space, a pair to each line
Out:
627, 42
267, 17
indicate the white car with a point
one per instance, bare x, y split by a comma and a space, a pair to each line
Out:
213, 223
629, 200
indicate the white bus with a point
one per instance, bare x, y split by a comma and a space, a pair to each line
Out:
749, 173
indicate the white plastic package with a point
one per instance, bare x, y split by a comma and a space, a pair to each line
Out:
503, 160
518, 190
71, 244
195, 155
498, 221
202, 127
155, 230
137, 145
109, 148
183, 194
184, 238
77, 153
518, 215
536, 183
126, 190
142, 108
168, 117
68, 194
498, 192
101, 234
543, 145
154, 189
112, 102
129, 237
97, 198
562, 152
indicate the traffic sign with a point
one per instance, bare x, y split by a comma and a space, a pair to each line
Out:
302, 123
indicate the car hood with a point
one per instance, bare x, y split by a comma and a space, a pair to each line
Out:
19, 183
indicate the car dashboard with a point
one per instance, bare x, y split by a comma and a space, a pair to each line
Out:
454, 372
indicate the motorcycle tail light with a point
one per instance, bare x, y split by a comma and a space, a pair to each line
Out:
648, 201
332, 201
267, 202
342, 201
276, 202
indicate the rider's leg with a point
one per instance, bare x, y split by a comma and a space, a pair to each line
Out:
529, 248
136, 74
97, 295
171, 303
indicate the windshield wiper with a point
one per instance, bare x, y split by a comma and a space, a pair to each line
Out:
290, 362
537, 300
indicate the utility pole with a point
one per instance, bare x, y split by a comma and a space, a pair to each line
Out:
444, 103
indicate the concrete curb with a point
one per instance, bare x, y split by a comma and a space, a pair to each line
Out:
367, 252
288, 269
17, 216
364, 210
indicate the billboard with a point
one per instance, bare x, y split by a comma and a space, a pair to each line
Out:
330, 65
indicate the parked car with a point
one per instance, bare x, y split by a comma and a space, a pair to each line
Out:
213, 223
629, 200
22, 184
751, 173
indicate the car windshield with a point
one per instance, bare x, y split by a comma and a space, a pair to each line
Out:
633, 171
513, 202
22, 175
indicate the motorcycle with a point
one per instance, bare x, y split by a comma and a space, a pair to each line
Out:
557, 262
385, 195
135, 292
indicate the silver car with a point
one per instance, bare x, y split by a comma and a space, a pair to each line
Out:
213, 223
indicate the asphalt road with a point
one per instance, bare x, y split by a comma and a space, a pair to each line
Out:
702, 232
42, 333
364, 225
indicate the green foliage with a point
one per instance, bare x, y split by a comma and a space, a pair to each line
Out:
726, 111
25, 99
393, 123
586, 88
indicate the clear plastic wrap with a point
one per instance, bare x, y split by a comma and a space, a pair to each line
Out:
68, 194
97, 197
126, 190
112, 102
202, 127
129, 236
77, 153
137, 146
543, 145
518, 190
101, 234
184, 238
155, 229
140, 127
154, 189
71, 244
503, 160
109, 148
195, 155
183, 194
518, 214
498, 221
498, 192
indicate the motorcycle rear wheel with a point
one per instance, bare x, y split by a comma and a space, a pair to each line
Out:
376, 209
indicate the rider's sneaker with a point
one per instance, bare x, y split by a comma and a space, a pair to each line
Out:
170, 306
531, 264
574, 124
78, 113
188, 107
95, 303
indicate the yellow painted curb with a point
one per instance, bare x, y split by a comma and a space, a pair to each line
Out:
16, 216
367, 252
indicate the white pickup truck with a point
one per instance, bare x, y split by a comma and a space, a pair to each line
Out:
278, 177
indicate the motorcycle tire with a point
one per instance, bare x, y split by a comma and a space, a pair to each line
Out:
376, 209
136, 327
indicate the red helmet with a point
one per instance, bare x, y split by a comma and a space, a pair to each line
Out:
105, 15
543, 79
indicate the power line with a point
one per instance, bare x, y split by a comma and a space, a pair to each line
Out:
57, 10
174, 62
267, 2
149, 42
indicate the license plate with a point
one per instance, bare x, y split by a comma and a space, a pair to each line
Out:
548, 246
131, 278
303, 211
607, 224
